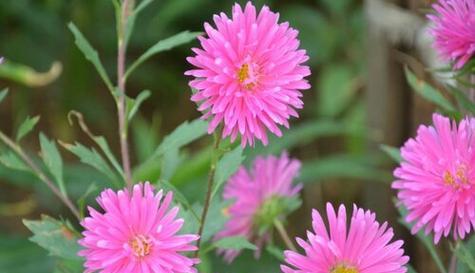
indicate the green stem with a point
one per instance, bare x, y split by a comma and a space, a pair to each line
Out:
212, 171
283, 233
61, 194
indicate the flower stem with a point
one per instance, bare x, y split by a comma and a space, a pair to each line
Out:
212, 170
283, 233
36, 170
453, 259
121, 102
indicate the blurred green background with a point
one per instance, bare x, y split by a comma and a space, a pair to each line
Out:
331, 137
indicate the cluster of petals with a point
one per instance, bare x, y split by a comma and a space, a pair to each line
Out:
364, 247
454, 30
435, 181
137, 233
249, 74
269, 178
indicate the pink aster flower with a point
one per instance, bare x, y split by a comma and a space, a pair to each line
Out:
249, 74
436, 179
364, 247
136, 233
260, 196
454, 30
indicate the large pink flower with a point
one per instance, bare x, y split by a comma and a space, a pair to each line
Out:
364, 247
454, 30
249, 74
436, 179
260, 197
135, 234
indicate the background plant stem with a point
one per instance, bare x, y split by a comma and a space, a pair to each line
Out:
212, 170
36, 170
121, 103
283, 233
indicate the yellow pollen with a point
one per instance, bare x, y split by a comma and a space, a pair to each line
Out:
459, 179
243, 76
141, 245
344, 269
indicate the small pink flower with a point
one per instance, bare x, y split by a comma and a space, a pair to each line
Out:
364, 247
249, 74
260, 196
136, 234
454, 30
436, 179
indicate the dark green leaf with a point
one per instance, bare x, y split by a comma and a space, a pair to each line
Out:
134, 104
56, 237
163, 45
392, 152
226, 167
336, 88
91, 54
428, 92
26, 127
52, 160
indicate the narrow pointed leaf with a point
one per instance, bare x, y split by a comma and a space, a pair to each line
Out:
26, 127
52, 159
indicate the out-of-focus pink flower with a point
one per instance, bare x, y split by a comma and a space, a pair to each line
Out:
364, 247
260, 196
136, 234
436, 178
454, 30
249, 73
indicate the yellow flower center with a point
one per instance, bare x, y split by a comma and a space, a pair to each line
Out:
141, 245
459, 179
344, 269
246, 76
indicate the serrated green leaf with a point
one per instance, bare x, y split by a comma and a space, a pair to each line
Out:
53, 161
428, 92
425, 240
26, 127
92, 158
392, 152
10, 160
134, 104
235, 243
91, 54
3, 94
226, 167
56, 237
163, 45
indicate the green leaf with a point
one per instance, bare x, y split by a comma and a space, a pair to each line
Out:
26, 127
3, 94
134, 104
393, 152
170, 161
91, 54
342, 166
226, 167
10, 160
425, 240
235, 243
462, 100
129, 28
275, 251
91, 157
163, 45
56, 237
465, 256
52, 160
185, 133
337, 87
428, 92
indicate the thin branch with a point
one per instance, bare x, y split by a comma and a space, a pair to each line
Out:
121, 103
212, 171
283, 233
36, 170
